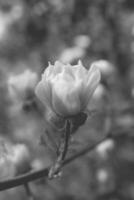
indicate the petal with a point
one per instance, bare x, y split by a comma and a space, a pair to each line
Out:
49, 70
43, 92
93, 81
69, 70
80, 71
65, 99
58, 67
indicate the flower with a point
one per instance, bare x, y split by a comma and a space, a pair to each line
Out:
67, 89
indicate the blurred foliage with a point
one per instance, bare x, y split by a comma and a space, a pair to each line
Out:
33, 32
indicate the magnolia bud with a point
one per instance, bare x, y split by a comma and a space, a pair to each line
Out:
66, 89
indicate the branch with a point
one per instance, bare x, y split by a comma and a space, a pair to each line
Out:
31, 176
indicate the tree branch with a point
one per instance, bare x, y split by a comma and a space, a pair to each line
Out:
31, 176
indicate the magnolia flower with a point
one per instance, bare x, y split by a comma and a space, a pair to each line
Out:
67, 89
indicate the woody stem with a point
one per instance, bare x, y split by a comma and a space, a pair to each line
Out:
63, 148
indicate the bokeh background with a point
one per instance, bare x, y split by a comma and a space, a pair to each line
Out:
34, 32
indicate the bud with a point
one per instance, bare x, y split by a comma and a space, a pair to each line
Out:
67, 89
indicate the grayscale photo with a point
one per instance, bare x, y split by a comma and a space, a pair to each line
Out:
66, 100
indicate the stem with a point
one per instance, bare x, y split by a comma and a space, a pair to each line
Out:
31, 176
63, 148
64, 145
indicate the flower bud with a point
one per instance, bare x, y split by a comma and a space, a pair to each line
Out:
66, 89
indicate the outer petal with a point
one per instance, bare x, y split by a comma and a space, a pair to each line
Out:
43, 92
93, 81
48, 72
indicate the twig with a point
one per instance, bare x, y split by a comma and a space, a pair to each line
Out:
31, 176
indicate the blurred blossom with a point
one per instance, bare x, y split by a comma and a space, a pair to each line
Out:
14, 159
8, 18
106, 181
67, 89
78, 51
37, 164
106, 68
103, 148
82, 41
20, 158
99, 92
17, 12
19, 85
4, 22
102, 175
6, 166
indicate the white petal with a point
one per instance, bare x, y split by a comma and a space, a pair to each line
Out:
65, 98
43, 92
93, 81
58, 67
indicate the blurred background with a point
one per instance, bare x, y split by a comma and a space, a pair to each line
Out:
33, 32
